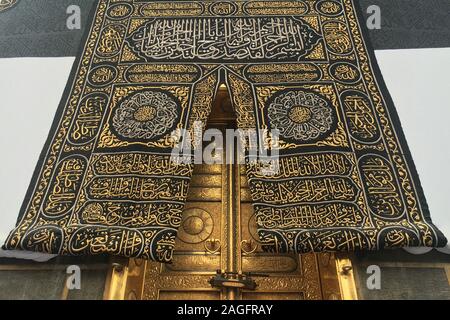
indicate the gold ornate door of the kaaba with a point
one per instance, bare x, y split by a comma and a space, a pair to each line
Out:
218, 232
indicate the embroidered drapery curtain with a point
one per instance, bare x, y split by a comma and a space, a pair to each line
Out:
106, 183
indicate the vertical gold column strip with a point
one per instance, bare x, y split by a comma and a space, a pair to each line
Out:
65, 290
231, 225
224, 224
116, 280
346, 278
237, 212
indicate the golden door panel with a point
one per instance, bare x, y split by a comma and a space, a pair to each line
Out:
273, 295
201, 250
199, 244
289, 276
218, 232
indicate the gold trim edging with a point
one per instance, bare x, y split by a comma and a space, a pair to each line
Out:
346, 278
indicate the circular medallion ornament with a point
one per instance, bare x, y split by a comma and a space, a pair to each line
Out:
102, 75
345, 72
300, 115
223, 8
329, 8
146, 115
120, 11
93, 213
197, 226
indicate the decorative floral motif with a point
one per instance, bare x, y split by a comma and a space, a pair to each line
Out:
146, 115
300, 115
196, 227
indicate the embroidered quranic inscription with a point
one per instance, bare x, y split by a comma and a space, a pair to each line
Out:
106, 182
